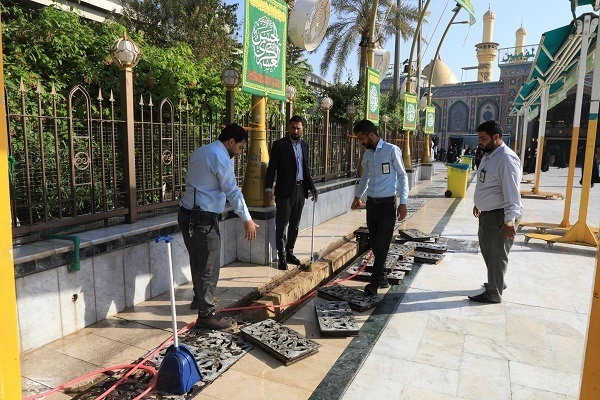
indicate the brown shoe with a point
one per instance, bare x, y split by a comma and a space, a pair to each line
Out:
212, 322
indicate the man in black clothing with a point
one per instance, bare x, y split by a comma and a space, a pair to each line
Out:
289, 160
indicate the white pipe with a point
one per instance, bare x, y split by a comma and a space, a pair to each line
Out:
524, 134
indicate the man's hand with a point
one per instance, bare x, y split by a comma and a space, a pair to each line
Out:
510, 231
476, 212
401, 212
250, 229
356, 204
268, 196
315, 196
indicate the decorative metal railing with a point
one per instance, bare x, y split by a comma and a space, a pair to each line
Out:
68, 158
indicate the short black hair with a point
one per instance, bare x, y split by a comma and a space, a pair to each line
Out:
490, 127
365, 126
233, 131
297, 118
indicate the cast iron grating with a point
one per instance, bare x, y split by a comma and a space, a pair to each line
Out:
335, 319
428, 247
356, 298
416, 235
422, 257
283, 343
394, 276
214, 351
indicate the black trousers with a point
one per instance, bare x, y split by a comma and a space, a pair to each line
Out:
289, 212
381, 218
204, 249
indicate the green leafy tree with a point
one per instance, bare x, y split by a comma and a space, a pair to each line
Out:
352, 26
297, 67
343, 95
207, 26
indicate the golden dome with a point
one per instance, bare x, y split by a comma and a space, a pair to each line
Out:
521, 31
442, 74
489, 14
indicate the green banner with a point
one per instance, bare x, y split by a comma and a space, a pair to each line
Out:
466, 4
411, 112
265, 44
429, 127
373, 96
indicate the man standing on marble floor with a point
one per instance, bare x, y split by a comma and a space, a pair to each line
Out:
210, 181
497, 206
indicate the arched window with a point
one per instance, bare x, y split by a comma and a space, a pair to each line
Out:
487, 110
458, 117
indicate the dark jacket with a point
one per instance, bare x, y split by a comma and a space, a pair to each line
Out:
283, 162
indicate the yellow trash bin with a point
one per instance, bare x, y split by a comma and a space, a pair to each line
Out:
467, 160
458, 175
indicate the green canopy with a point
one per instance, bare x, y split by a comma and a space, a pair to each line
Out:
467, 5
555, 64
577, 3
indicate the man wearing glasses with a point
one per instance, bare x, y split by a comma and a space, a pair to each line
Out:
289, 161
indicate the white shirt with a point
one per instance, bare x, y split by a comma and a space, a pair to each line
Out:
210, 177
498, 183
383, 173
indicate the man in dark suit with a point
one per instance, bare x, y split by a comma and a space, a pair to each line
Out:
289, 160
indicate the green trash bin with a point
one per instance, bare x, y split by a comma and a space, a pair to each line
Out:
467, 160
458, 175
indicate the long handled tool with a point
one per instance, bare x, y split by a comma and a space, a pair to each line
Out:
313, 257
178, 372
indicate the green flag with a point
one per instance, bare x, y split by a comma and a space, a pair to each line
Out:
411, 112
373, 96
265, 44
466, 4
429, 120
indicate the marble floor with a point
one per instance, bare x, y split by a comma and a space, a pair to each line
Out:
434, 344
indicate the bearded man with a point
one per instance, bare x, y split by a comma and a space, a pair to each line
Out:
497, 206
383, 180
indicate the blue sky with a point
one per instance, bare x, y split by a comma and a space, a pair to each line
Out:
458, 50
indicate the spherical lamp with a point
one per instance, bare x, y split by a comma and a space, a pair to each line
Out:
125, 52
326, 103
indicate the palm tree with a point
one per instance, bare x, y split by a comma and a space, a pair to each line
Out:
352, 28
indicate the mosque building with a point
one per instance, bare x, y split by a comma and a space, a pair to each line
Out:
462, 106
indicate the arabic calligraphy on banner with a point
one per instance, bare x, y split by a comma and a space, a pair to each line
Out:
429, 127
373, 96
410, 112
265, 43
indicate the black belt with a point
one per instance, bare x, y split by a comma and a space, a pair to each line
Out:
381, 199
199, 212
299, 182
494, 211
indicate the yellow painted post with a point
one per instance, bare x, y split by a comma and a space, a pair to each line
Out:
590, 377
258, 155
10, 370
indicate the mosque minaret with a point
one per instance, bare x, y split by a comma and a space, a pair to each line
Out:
487, 50
520, 35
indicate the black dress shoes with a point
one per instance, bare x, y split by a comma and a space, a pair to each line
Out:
292, 259
384, 283
371, 290
281, 264
483, 298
